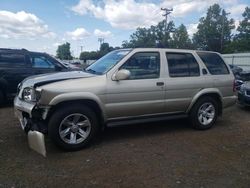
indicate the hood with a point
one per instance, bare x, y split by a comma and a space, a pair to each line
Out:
42, 79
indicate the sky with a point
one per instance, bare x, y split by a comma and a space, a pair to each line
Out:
42, 25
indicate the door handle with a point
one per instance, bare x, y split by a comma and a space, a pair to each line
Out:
159, 83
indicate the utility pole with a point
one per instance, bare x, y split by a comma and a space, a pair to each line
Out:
167, 12
101, 41
224, 14
81, 48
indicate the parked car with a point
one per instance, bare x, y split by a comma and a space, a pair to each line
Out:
16, 65
76, 64
236, 70
123, 87
71, 66
244, 94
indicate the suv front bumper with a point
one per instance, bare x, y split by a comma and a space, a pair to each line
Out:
31, 124
30, 116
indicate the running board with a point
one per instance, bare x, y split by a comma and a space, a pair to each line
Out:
144, 119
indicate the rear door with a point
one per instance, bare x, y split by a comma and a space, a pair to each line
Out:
183, 82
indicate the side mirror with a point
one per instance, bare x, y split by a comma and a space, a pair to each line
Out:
122, 74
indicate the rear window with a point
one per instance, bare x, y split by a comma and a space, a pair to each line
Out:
12, 59
214, 63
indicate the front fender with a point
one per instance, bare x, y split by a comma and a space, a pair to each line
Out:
64, 97
204, 92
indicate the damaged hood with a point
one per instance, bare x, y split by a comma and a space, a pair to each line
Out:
39, 80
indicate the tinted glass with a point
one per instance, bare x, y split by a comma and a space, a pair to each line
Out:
143, 65
41, 62
214, 63
12, 59
182, 65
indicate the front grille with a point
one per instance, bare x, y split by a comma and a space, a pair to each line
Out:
248, 92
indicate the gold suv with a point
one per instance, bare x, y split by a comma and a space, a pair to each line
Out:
126, 86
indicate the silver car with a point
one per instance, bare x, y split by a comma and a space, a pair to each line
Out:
124, 87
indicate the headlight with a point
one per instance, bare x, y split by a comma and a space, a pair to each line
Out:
29, 94
242, 88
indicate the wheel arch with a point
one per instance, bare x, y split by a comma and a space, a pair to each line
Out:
90, 103
213, 93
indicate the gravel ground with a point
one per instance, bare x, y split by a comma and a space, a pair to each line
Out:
161, 154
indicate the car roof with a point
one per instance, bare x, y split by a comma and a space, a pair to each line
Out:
167, 49
20, 50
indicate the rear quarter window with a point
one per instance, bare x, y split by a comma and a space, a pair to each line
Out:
214, 63
12, 59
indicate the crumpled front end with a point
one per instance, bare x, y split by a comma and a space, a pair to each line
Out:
31, 116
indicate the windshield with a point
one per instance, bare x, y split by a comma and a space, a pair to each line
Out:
104, 64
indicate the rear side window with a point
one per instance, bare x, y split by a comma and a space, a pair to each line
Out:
214, 63
12, 59
182, 65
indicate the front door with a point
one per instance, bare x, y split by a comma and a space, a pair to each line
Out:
41, 64
142, 93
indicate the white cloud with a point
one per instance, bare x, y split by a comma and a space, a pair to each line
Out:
78, 34
237, 10
126, 14
83, 7
103, 34
22, 25
130, 14
192, 28
56, 44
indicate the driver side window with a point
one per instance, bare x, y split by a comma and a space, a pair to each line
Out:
143, 65
41, 62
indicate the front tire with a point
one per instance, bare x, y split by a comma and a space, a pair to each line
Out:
72, 128
204, 113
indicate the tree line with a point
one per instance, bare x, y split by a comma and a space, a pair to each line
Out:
214, 33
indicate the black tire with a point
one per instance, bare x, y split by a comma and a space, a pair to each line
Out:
65, 111
194, 114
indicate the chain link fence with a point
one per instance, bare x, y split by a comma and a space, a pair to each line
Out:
241, 59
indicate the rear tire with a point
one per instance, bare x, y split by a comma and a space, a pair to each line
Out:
204, 113
73, 127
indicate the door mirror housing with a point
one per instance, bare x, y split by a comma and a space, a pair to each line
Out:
122, 74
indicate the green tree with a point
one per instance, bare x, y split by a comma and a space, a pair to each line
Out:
214, 30
63, 52
149, 37
242, 39
104, 49
93, 55
181, 39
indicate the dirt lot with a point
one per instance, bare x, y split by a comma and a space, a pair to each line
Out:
163, 154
